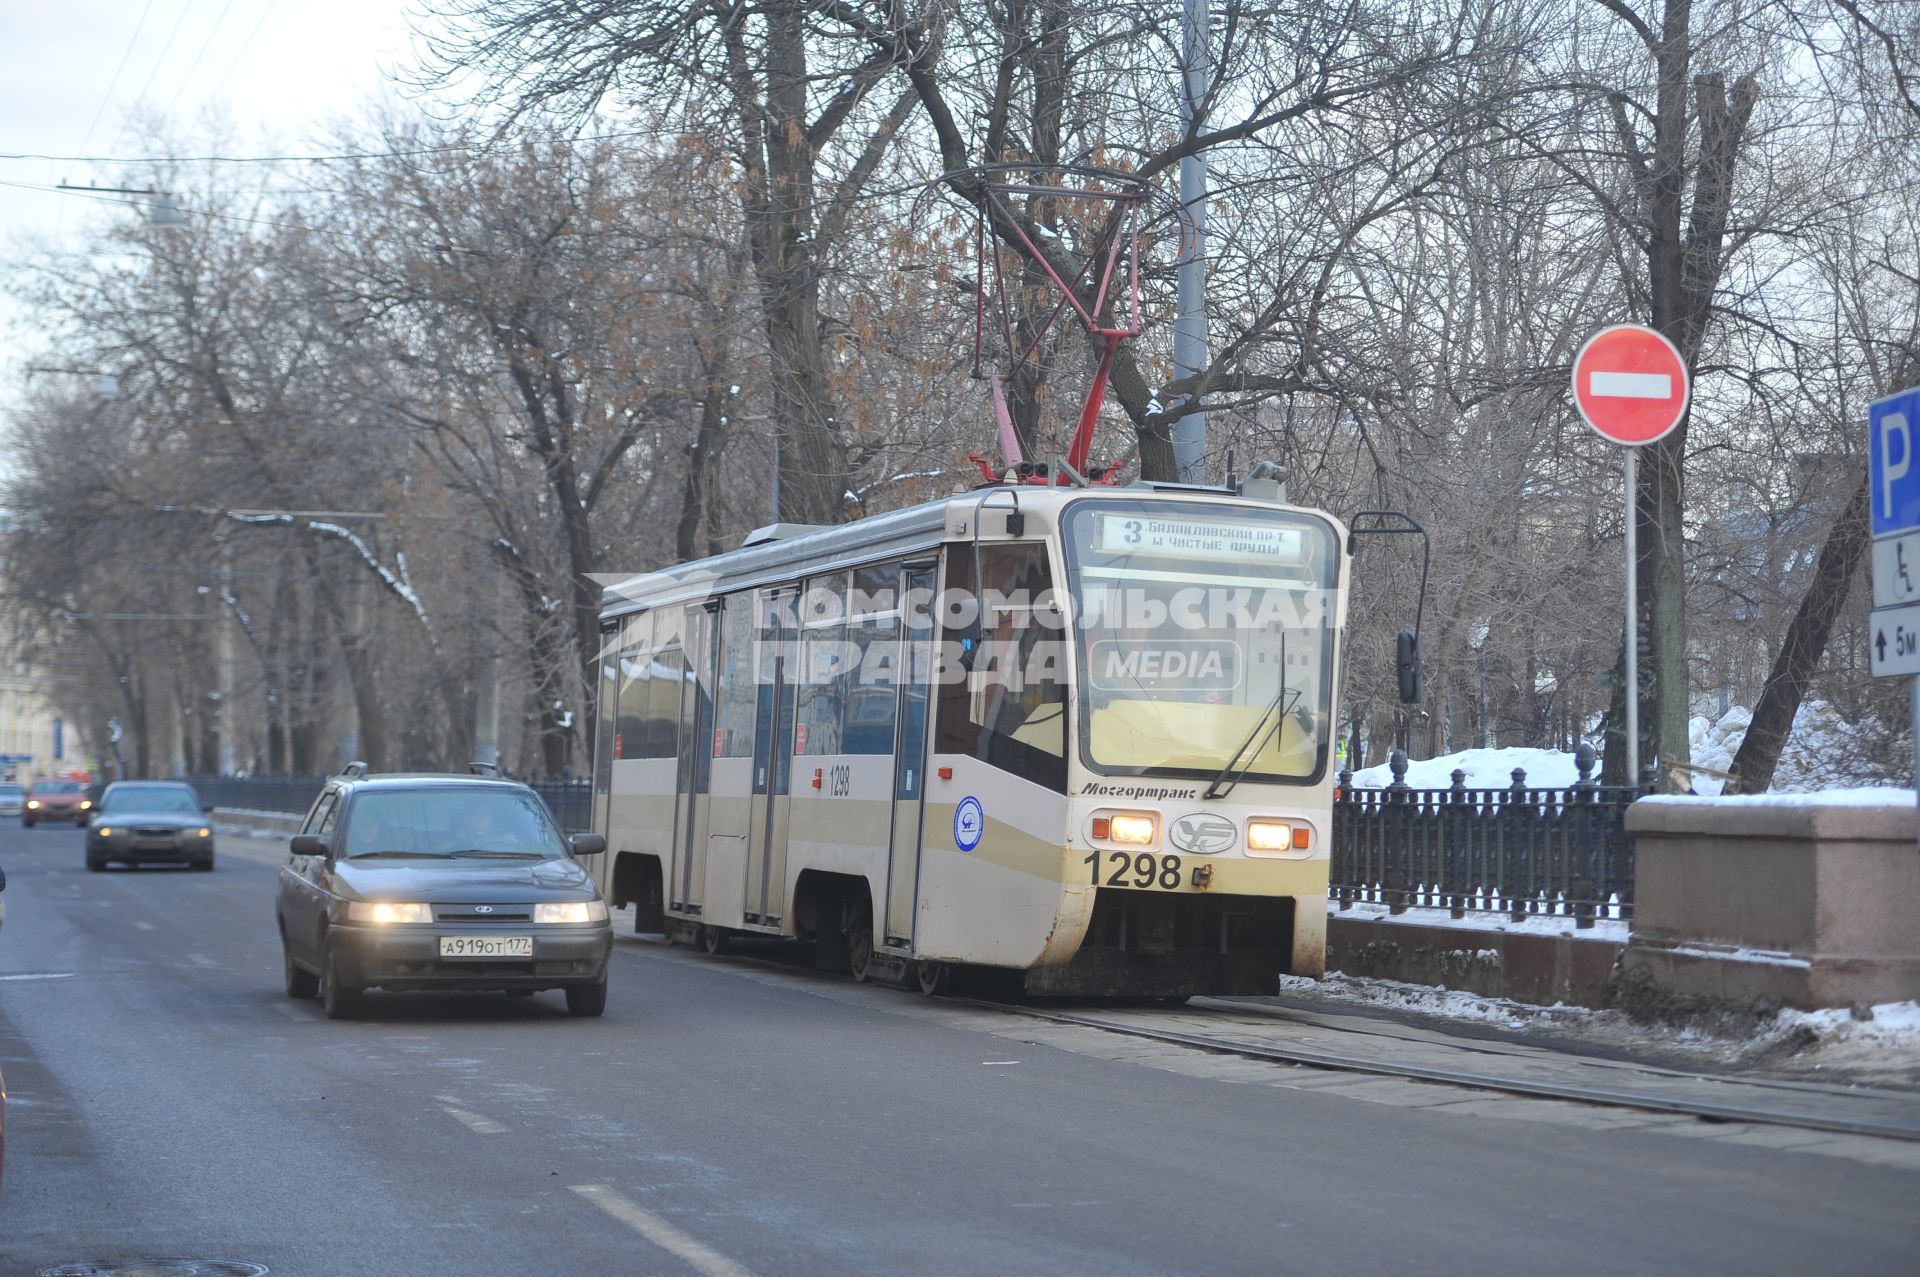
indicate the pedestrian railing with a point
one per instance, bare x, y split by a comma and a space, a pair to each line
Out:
1519, 850
569, 798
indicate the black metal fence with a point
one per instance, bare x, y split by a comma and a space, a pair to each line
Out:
569, 798
1520, 850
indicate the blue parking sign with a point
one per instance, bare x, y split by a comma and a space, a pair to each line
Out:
1893, 428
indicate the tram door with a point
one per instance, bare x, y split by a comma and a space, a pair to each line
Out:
696, 758
910, 756
772, 757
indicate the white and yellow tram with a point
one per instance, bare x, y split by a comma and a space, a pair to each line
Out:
1084, 735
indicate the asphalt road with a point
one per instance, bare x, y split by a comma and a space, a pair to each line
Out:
165, 1099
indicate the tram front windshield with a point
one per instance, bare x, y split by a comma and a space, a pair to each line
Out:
1205, 638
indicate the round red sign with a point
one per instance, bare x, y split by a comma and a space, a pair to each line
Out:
1630, 384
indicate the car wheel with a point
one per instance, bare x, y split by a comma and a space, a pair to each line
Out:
204, 865
301, 983
26, 824
96, 863
338, 999
587, 999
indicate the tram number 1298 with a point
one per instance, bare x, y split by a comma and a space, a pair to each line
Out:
1133, 869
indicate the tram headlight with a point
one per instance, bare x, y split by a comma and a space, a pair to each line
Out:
1131, 828
1269, 835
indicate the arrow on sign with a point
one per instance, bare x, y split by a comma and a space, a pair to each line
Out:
1880, 645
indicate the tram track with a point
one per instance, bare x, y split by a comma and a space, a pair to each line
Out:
1758, 1101
1808, 1106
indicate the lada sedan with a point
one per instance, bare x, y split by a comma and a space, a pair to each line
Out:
439, 882
150, 822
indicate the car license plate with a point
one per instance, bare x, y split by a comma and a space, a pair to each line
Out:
486, 946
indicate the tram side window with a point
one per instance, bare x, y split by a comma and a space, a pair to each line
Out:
1010, 709
734, 710
608, 724
824, 662
660, 710
869, 685
629, 730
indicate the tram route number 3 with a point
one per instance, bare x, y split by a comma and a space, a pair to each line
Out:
1133, 869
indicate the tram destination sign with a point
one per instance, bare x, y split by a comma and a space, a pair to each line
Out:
1198, 539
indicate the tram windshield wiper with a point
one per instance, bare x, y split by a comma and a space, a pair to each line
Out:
1223, 784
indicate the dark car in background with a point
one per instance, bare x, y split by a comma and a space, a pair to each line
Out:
439, 882
150, 822
56, 800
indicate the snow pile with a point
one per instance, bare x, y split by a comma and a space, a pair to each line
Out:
1485, 769
1712, 745
1823, 750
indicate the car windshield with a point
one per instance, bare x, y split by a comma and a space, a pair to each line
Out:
452, 822
12, 791
151, 798
57, 787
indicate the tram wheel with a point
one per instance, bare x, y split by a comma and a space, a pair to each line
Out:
934, 978
860, 946
713, 940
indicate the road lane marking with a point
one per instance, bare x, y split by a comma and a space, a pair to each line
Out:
697, 1254
201, 960
472, 1121
144, 926
41, 975
294, 1011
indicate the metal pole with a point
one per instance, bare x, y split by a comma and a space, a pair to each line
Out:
225, 717
1190, 326
1632, 655
1916, 754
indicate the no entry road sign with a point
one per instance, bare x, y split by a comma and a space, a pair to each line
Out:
1630, 384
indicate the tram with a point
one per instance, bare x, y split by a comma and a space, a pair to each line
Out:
1081, 735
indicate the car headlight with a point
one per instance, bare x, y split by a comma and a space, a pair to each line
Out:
32, 804
105, 831
386, 911
1135, 829
573, 911
203, 832
85, 805
1276, 835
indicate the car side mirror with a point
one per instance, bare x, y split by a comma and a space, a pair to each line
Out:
1407, 662
587, 844
309, 845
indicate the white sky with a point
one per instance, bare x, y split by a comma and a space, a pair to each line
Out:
276, 71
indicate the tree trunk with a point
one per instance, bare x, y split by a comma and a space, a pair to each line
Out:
1805, 644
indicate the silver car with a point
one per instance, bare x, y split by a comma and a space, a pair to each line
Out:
13, 798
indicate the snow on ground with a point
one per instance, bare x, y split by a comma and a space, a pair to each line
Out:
1610, 929
1865, 796
1879, 1045
1823, 750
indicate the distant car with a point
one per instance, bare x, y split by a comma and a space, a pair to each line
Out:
13, 799
56, 800
432, 882
150, 822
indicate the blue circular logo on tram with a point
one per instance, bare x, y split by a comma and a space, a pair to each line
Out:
969, 823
